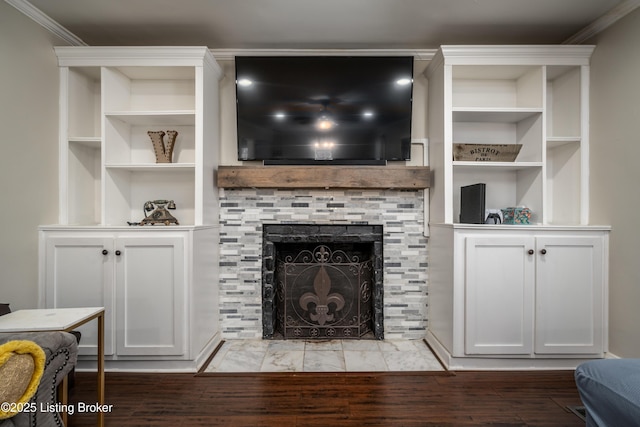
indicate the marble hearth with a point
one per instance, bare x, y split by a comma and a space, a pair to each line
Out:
252, 356
244, 212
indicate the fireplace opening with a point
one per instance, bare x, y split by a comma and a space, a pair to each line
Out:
322, 282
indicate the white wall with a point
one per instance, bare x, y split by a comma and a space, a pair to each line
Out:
615, 175
29, 151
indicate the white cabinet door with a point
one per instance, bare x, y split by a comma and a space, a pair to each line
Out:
150, 286
78, 272
569, 295
499, 295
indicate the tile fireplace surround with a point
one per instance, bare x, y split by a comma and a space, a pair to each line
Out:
244, 211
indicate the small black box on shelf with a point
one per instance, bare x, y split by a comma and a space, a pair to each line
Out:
472, 200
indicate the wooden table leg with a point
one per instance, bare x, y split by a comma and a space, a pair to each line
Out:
101, 395
64, 399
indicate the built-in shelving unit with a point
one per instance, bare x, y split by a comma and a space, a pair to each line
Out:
530, 95
108, 164
153, 280
506, 296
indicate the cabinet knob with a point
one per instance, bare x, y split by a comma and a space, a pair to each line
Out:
543, 251
118, 253
105, 252
530, 251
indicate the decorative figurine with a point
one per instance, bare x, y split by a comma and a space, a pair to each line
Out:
160, 215
164, 152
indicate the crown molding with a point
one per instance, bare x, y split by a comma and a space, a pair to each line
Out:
436, 62
39, 17
230, 54
74, 56
510, 55
604, 22
516, 54
98, 56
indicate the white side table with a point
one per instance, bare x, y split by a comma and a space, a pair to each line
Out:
61, 319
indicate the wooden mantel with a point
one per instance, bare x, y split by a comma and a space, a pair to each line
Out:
361, 177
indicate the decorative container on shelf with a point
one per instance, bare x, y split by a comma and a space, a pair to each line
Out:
516, 215
486, 152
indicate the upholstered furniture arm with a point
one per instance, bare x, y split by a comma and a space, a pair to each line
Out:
610, 391
61, 351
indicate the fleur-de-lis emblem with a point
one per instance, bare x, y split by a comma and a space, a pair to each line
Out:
322, 298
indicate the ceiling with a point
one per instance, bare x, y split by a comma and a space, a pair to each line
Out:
328, 24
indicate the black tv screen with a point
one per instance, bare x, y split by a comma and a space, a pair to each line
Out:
324, 110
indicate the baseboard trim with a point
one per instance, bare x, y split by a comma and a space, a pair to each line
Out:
452, 363
147, 364
212, 347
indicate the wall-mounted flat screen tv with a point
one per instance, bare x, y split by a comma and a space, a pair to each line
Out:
324, 110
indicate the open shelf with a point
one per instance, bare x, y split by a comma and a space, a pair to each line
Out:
83, 195
127, 190
149, 88
89, 141
130, 143
563, 109
506, 166
155, 167
559, 141
497, 86
497, 115
505, 187
154, 118
83, 102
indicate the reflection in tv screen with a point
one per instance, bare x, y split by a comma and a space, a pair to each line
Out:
324, 110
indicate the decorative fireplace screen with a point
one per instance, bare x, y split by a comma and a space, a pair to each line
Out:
325, 292
322, 281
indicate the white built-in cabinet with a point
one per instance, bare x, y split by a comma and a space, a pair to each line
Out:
536, 292
77, 272
499, 286
157, 283
139, 279
507, 295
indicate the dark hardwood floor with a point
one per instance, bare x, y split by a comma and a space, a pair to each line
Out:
461, 399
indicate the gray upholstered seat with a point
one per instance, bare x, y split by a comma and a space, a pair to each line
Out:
610, 392
61, 352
